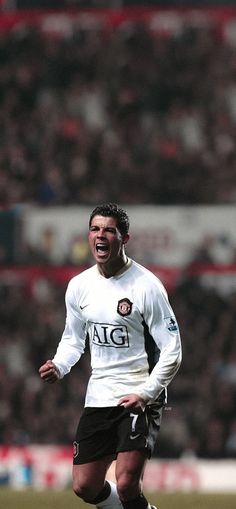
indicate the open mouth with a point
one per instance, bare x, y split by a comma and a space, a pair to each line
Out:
102, 248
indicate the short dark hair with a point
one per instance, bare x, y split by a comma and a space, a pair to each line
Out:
112, 210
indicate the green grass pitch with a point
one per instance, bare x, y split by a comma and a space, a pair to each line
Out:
30, 499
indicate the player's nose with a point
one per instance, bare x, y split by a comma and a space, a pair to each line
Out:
101, 234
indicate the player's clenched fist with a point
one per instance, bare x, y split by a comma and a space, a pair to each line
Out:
49, 372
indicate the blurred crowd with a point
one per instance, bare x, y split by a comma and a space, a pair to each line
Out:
199, 419
129, 117
118, 115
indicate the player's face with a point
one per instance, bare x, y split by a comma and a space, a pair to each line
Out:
105, 240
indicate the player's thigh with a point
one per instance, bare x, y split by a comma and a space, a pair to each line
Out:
130, 467
88, 478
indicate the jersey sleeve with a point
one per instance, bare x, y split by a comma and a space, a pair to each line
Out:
72, 343
163, 328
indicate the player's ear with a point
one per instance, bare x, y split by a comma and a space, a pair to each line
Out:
125, 238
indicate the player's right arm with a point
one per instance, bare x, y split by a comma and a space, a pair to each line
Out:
72, 343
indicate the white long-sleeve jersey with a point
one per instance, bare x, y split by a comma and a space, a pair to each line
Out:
133, 334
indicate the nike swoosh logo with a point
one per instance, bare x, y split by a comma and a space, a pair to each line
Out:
82, 307
132, 437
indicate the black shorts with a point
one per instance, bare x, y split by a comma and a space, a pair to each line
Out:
108, 431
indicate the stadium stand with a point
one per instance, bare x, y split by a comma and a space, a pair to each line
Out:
84, 110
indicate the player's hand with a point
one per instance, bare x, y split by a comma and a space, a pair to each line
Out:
49, 372
132, 401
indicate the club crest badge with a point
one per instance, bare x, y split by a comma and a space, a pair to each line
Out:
124, 307
75, 449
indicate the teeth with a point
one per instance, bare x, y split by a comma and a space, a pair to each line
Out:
101, 247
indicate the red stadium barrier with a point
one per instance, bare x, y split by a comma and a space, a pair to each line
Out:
221, 277
163, 21
49, 467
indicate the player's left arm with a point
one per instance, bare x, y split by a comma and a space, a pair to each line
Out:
163, 328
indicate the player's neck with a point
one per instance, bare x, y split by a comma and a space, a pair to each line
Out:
111, 268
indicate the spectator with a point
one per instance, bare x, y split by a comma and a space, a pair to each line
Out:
123, 115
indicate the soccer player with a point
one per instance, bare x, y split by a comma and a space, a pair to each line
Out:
123, 310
